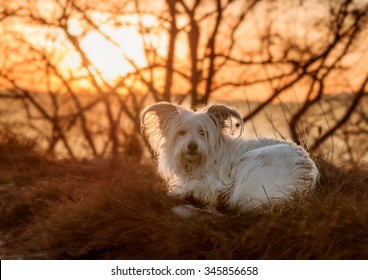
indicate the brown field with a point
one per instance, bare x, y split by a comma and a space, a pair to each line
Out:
119, 210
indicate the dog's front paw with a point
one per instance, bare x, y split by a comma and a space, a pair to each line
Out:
185, 211
188, 211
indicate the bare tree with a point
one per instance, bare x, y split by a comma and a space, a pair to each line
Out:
315, 60
193, 50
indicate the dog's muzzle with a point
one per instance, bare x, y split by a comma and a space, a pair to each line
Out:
191, 158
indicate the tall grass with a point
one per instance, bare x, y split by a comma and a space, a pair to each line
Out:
119, 210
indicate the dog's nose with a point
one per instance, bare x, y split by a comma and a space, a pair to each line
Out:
192, 147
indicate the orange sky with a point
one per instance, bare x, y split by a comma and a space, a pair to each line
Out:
109, 61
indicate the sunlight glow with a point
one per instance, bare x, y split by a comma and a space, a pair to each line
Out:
108, 58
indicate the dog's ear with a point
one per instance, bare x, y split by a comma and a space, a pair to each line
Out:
163, 111
223, 117
155, 119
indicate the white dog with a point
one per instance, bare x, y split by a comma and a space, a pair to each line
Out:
199, 156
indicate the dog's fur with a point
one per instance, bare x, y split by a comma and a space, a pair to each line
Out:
200, 156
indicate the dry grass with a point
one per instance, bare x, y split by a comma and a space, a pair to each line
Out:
102, 210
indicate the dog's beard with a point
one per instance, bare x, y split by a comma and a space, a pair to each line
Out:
191, 161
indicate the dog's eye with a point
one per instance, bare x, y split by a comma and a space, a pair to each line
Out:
202, 132
182, 132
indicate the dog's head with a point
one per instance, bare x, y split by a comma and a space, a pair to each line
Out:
186, 139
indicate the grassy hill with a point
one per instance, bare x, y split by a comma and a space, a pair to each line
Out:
119, 210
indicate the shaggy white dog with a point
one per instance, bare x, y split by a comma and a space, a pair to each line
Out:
199, 155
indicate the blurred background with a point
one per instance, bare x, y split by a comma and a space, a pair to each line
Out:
75, 75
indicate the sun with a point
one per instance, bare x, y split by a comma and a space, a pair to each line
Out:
115, 52
108, 58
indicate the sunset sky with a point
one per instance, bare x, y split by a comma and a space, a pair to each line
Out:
118, 47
